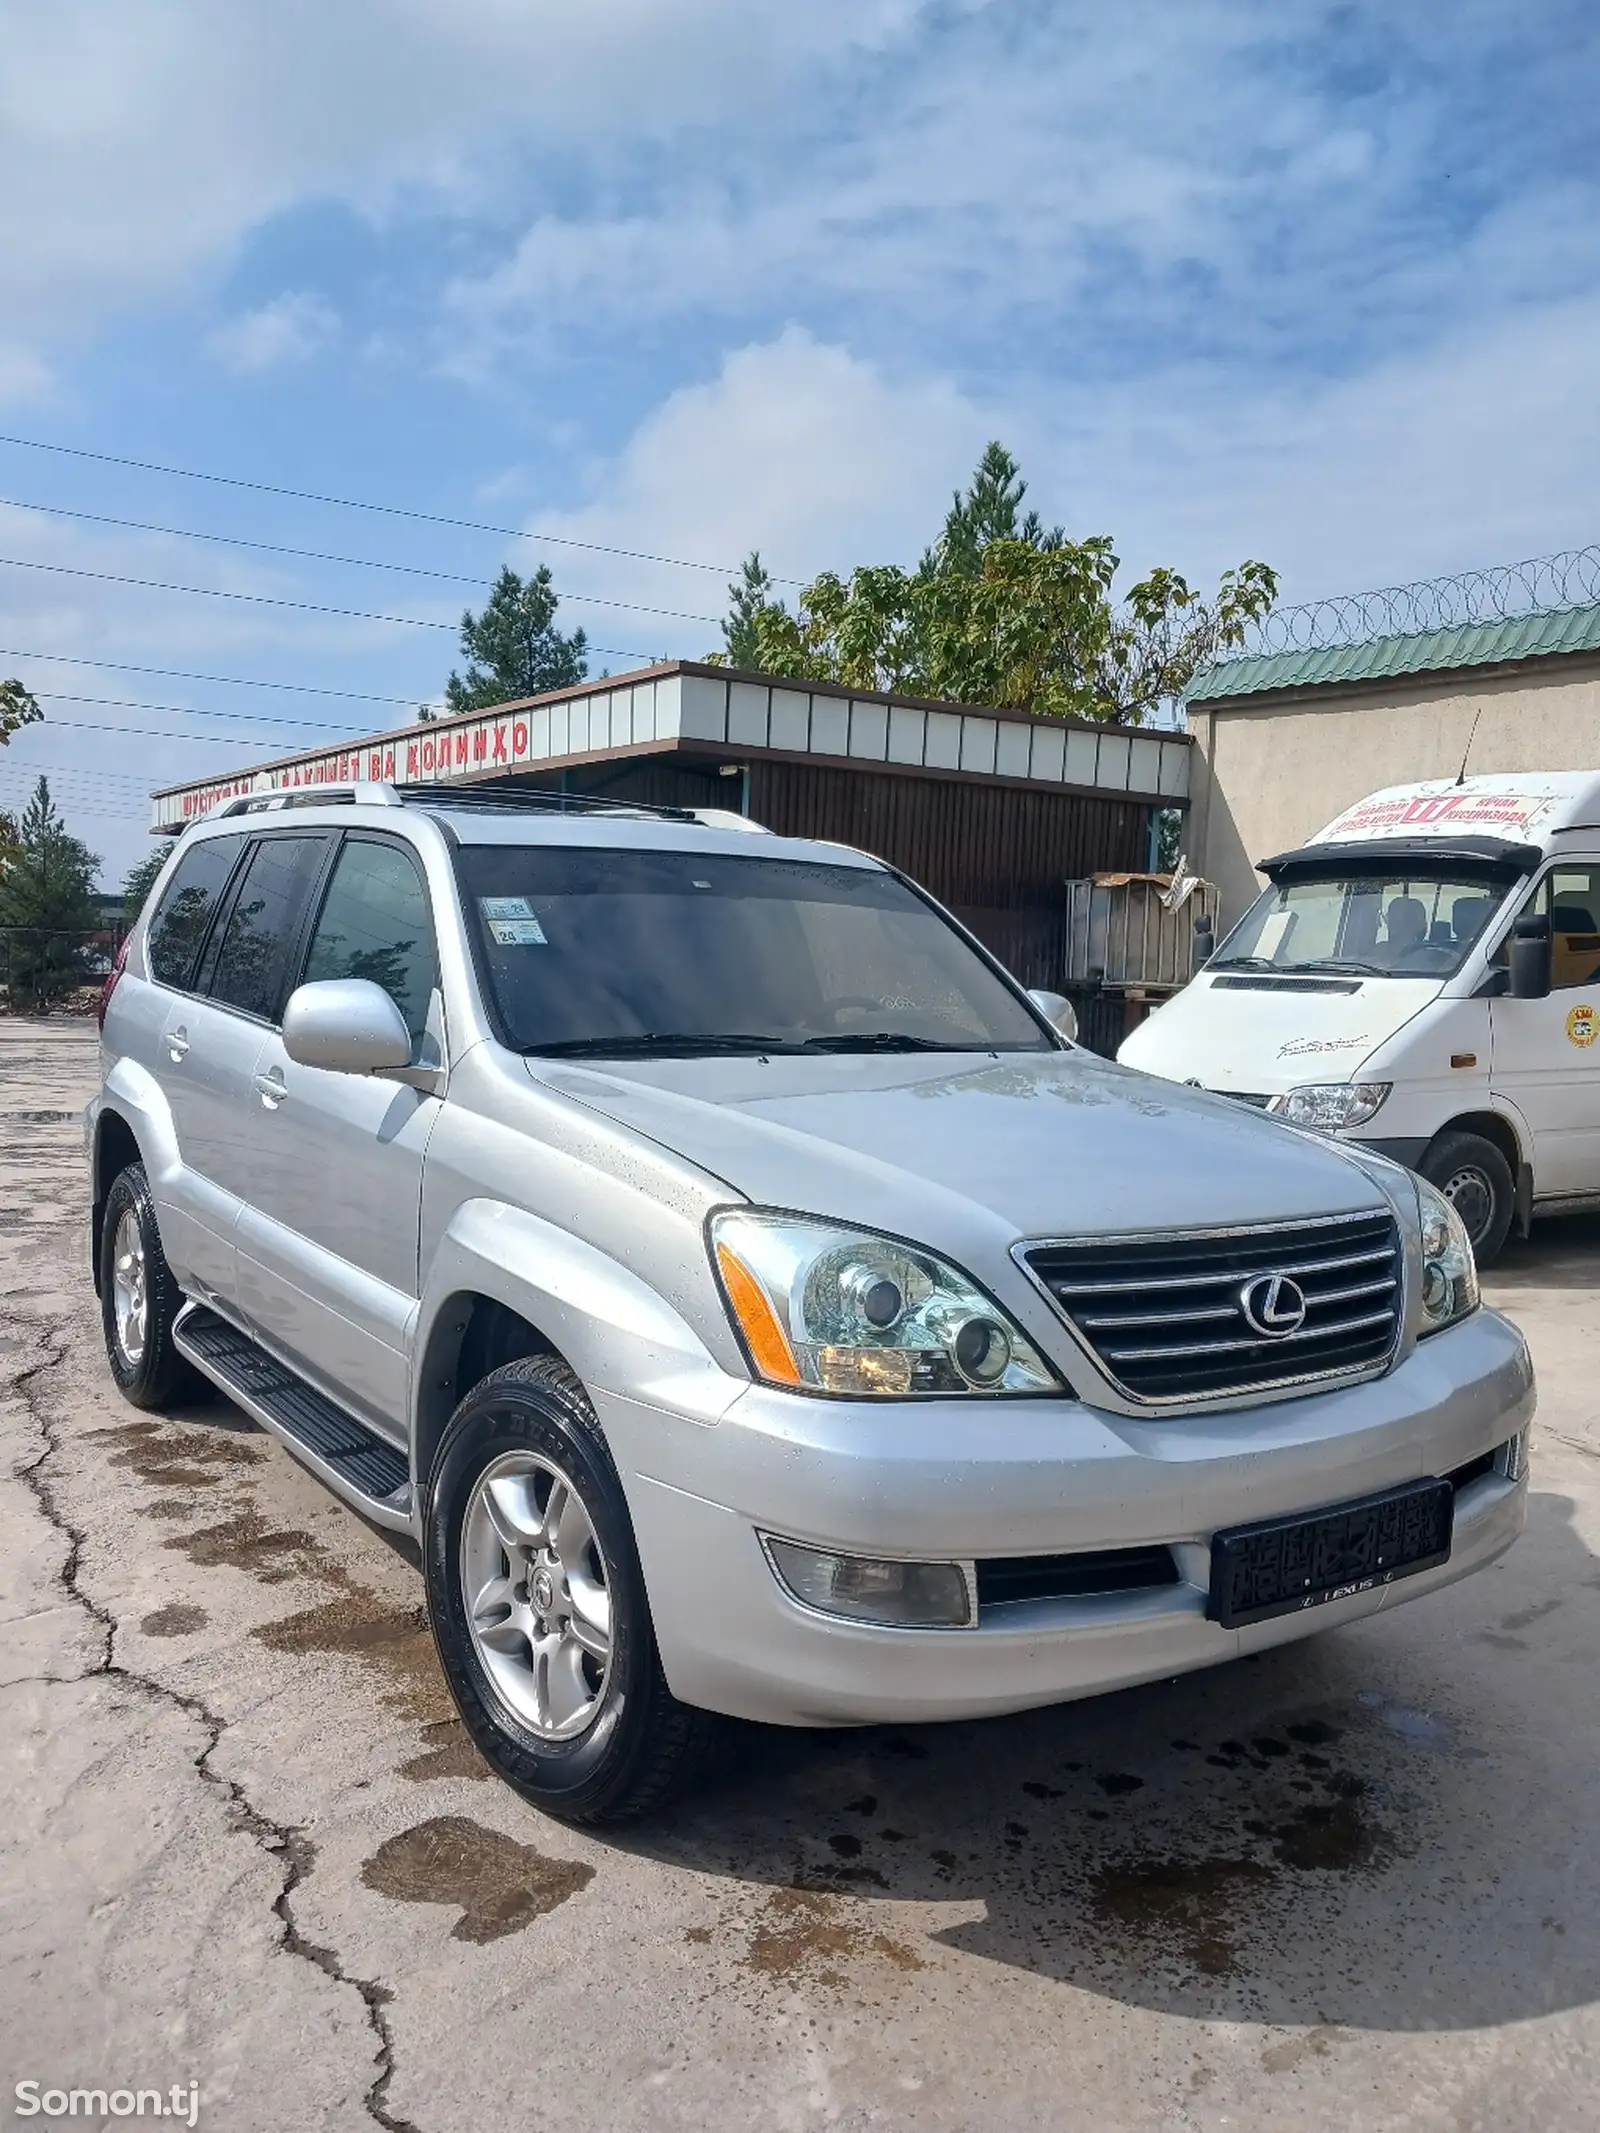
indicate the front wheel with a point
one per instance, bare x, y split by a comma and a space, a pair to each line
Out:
1476, 1179
538, 1604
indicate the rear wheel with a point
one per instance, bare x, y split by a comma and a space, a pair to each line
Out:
538, 1604
139, 1300
1476, 1179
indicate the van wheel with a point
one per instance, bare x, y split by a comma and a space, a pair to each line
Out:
538, 1604
139, 1300
1476, 1179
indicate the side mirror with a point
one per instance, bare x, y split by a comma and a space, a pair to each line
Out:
1058, 1011
347, 1026
1530, 959
1205, 942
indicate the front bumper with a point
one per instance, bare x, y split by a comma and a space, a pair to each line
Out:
952, 1480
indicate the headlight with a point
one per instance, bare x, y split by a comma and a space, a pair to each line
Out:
1326, 1106
1449, 1271
845, 1311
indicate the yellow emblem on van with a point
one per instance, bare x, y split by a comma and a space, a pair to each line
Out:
1583, 1024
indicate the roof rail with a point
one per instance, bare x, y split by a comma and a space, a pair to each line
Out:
368, 793
517, 798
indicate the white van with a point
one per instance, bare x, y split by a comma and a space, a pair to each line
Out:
1424, 977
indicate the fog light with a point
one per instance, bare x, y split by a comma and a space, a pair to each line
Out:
904, 1595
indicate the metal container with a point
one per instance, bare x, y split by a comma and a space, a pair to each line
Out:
1134, 933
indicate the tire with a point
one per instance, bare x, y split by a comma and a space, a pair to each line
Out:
590, 1738
139, 1300
1473, 1174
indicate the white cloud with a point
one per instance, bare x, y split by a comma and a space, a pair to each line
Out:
290, 329
24, 376
797, 448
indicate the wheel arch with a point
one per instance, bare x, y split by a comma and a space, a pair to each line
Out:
116, 1145
1491, 1126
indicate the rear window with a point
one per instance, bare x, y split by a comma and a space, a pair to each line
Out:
186, 910
586, 950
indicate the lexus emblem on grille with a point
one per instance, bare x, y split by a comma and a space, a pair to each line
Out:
1273, 1305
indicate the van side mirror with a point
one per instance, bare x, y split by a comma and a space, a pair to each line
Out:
346, 1026
1059, 1012
1530, 959
1205, 942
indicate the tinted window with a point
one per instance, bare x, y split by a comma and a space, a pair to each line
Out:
589, 948
375, 924
179, 926
264, 922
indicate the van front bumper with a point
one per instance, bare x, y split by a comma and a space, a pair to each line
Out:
943, 1481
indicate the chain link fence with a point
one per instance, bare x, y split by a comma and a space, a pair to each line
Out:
45, 970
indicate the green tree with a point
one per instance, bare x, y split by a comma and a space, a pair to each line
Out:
47, 909
1004, 610
141, 879
750, 593
513, 648
18, 707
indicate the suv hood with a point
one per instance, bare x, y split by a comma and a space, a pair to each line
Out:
1234, 1031
1040, 1144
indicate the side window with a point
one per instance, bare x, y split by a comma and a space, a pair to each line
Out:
186, 909
1573, 903
375, 924
265, 922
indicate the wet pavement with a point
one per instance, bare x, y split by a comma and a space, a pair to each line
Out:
244, 1841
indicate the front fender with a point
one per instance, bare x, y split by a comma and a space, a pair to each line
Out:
612, 1329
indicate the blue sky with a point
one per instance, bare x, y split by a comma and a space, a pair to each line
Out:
1319, 284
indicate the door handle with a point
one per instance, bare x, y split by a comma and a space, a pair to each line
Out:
271, 1087
177, 1044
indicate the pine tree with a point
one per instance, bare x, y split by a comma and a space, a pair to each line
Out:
141, 879
47, 909
750, 593
513, 649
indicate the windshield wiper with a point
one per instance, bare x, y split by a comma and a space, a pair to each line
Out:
654, 1043
1244, 962
1347, 962
882, 1040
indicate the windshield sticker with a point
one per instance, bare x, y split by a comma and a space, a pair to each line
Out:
511, 922
1393, 814
1298, 1047
1583, 1024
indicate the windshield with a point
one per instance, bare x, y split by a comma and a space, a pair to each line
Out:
1369, 925
602, 951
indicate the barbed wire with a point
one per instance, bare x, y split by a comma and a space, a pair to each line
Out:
1543, 585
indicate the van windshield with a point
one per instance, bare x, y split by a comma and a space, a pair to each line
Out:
604, 952
1399, 925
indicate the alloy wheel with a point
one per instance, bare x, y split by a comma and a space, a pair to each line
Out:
130, 1294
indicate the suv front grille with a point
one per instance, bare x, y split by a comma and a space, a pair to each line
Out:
1192, 1317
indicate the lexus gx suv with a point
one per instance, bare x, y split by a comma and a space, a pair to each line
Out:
744, 1292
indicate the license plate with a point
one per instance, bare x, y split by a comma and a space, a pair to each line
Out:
1286, 1564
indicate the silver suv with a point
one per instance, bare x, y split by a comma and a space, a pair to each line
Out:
747, 1297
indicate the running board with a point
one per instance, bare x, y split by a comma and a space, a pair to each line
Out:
343, 1453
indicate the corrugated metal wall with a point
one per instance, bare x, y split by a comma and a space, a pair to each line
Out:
997, 855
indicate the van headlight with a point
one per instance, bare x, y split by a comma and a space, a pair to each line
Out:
1330, 1106
1449, 1271
844, 1311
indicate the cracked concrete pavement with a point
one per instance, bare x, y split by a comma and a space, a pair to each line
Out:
244, 1842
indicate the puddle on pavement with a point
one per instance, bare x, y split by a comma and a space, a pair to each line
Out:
449, 1754
174, 1620
394, 1641
172, 1458
1198, 1908
247, 1541
804, 1936
499, 1885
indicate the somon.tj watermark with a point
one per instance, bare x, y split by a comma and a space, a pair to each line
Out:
180, 2102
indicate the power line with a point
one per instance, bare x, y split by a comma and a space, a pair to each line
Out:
241, 718
317, 555
306, 607
228, 681
353, 503
164, 733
